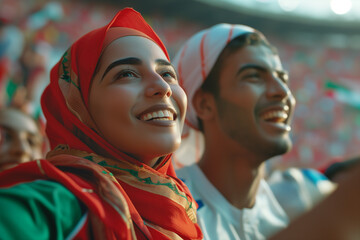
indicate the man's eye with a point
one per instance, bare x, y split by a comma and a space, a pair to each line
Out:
252, 77
283, 76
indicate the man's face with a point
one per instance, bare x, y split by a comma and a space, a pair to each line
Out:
255, 104
20, 139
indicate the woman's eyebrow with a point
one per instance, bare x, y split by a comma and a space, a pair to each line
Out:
162, 62
129, 61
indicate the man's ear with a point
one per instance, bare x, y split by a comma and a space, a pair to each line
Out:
204, 104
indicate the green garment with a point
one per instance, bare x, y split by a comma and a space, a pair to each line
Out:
38, 210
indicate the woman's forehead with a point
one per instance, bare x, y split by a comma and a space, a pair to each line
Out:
132, 46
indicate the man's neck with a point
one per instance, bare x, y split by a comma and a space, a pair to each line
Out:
236, 176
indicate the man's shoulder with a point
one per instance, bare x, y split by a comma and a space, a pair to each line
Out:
307, 178
187, 174
299, 189
194, 179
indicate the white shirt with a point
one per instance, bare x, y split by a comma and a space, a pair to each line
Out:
299, 189
219, 220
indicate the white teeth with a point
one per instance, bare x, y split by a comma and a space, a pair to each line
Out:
158, 115
167, 113
161, 114
280, 115
160, 119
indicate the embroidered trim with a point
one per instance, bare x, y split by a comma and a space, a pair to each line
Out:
40, 167
78, 227
64, 149
88, 190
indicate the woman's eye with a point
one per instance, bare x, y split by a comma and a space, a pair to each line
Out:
125, 74
169, 76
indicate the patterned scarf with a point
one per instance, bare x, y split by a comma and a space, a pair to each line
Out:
153, 201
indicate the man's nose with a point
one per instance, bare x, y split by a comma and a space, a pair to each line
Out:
278, 89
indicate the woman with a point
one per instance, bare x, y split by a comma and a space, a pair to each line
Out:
114, 115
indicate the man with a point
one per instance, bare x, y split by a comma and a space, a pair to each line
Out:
240, 100
20, 140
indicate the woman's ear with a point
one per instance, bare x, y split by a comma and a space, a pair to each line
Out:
204, 104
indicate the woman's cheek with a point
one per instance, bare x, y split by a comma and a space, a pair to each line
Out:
180, 99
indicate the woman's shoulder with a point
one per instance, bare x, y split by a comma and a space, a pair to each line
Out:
41, 209
39, 190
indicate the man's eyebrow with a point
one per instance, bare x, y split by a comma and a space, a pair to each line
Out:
129, 60
250, 65
261, 68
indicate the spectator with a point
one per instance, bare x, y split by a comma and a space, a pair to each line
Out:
20, 139
240, 101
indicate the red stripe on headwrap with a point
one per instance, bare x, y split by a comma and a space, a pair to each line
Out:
202, 56
230, 34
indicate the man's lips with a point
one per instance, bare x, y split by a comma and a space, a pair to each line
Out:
276, 114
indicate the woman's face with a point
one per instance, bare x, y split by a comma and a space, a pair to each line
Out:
136, 101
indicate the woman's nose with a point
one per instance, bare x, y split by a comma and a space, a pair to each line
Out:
158, 87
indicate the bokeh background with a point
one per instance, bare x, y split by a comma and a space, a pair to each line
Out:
318, 42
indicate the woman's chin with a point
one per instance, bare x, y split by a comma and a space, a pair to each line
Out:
163, 146
152, 159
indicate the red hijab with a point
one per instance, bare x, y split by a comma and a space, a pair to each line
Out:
160, 205
65, 100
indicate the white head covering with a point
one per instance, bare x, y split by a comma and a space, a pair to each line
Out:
197, 57
193, 63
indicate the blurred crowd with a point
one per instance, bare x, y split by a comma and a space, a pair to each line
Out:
325, 80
